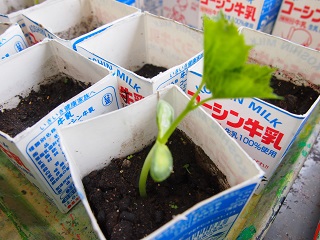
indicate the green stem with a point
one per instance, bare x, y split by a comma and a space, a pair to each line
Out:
204, 101
145, 172
190, 106
147, 163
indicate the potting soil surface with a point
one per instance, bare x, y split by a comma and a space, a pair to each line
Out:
85, 26
150, 70
296, 99
114, 196
37, 104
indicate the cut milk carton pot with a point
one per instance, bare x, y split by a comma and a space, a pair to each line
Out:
12, 40
35, 151
132, 128
186, 12
183, 11
72, 21
298, 21
11, 10
264, 130
259, 15
143, 39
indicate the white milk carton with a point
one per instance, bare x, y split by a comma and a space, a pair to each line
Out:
136, 124
12, 40
36, 150
255, 14
184, 11
298, 21
11, 10
72, 21
8, 7
263, 130
145, 39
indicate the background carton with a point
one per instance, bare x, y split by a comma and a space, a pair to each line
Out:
294, 63
61, 15
18, 7
36, 151
259, 15
298, 21
11, 10
12, 40
184, 11
136, 125
145, 38
152, 6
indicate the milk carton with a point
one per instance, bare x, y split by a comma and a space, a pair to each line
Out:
259, 15
36, 150
184, 11
72, 21
132, 128
12, 40
11, 10
143, 39
264, 130
298, 21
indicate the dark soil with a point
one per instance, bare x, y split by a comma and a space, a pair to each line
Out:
297, 99
86, 25
114, 196
150, 70
37, 104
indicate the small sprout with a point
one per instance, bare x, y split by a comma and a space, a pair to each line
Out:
186, 166
129, 157
173, 205
183, 141
226, 73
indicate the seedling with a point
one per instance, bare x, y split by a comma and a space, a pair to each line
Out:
186, 167
173, 206
226, 73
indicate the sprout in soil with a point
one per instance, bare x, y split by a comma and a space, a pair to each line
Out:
226, 73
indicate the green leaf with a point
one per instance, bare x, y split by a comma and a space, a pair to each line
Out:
165, 115
161, 165
226, 72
